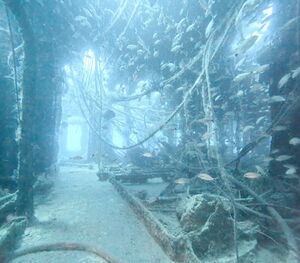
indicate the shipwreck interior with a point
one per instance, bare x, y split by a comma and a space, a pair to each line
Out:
150, 131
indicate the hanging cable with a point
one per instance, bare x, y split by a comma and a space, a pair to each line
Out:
12, 43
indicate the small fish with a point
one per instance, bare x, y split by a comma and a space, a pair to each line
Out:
170, 66
283, 158
276, 99
289, 24
246, 44
177, 39
294, 141
268, 159
176, 48
132, 47
140, 52
190, 28
290, 166
209, 28
240, 63
205, 177
242, 76
201, 145
291, 169
279, 128
109, 114
157, 42
257, 87
230, 114
182, 181
252, 175
147, 155
284, 80
181, 89
275, 151
240, 93
259, 120
296, 73
180, 24
168, 87
218, 97
80, 18
248, 128
261, 69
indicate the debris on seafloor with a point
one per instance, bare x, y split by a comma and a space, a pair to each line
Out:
103, 176
206, 220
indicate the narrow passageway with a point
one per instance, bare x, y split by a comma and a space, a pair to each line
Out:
83, 210
189, 107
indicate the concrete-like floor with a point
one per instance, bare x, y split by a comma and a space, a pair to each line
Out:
82, 209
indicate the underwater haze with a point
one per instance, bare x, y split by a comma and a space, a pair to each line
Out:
150, 131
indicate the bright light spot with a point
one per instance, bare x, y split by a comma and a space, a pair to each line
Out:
74, 133
67, 69
155, 98
258, 28
89, 60
117, 137
269, 11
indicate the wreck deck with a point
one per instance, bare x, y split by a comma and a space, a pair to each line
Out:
81, 209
